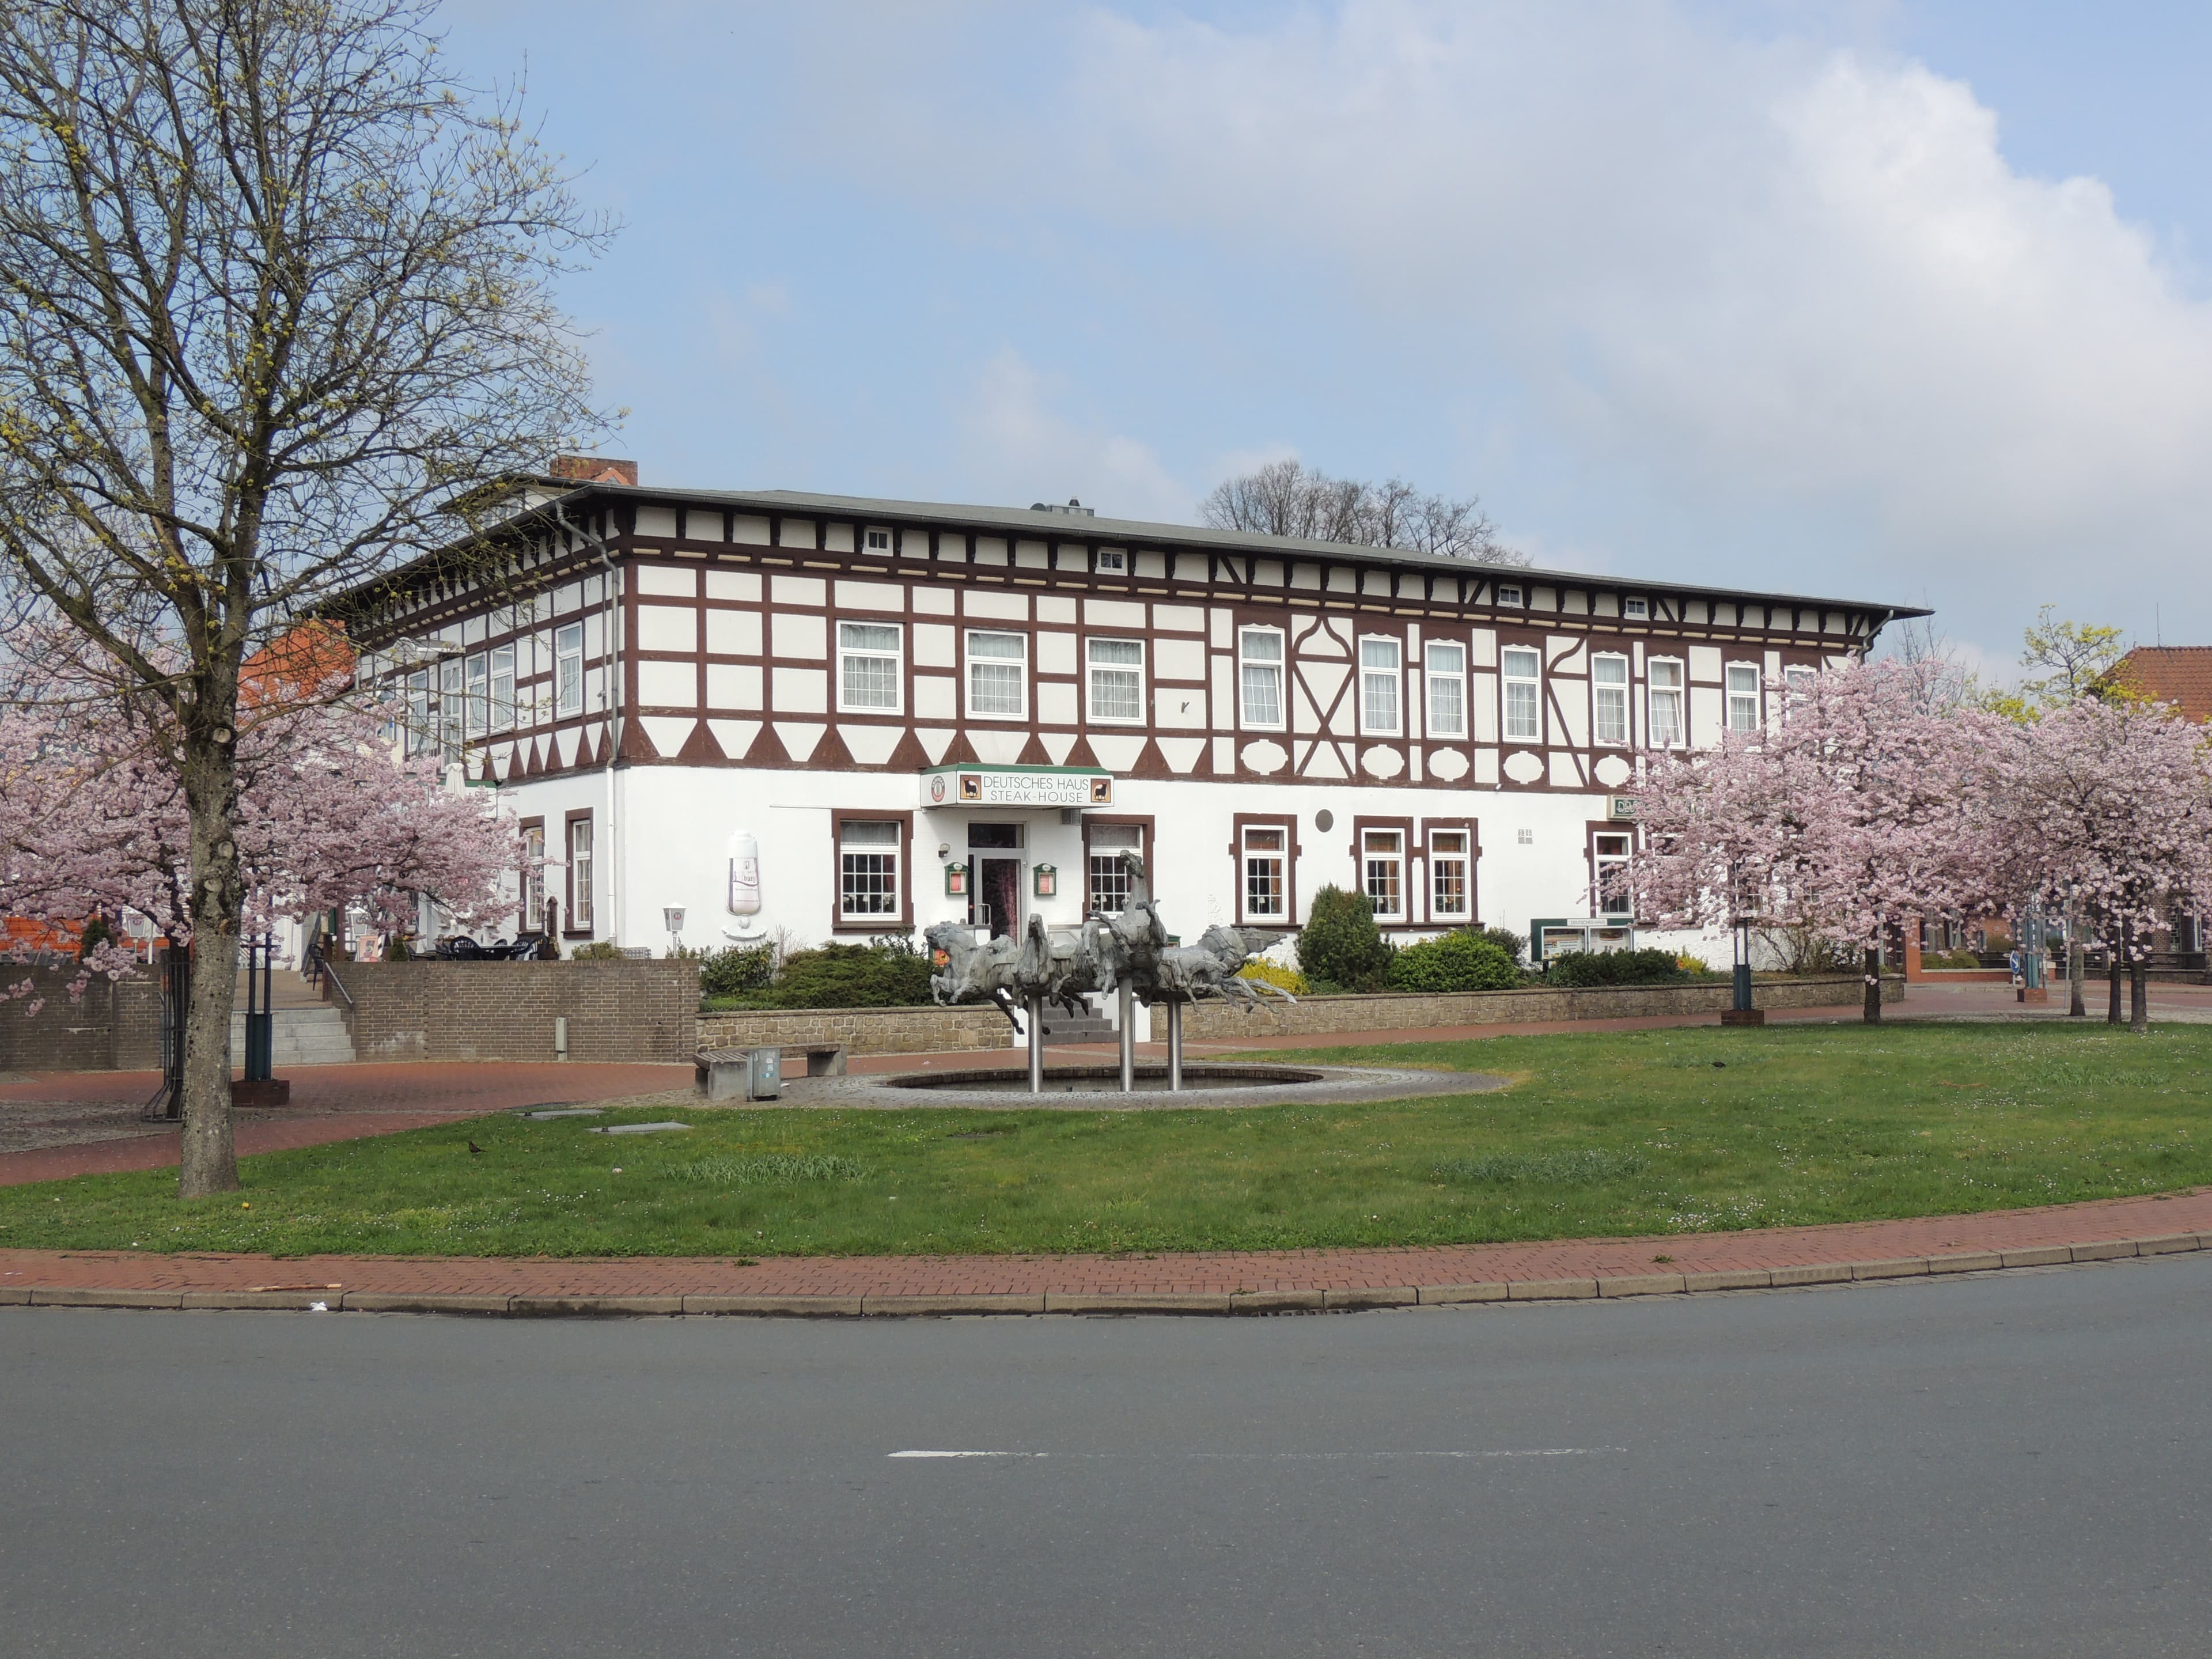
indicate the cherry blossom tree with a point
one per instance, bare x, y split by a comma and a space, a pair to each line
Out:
2108, 808
1863, 805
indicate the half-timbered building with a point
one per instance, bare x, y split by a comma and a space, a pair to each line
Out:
909, 713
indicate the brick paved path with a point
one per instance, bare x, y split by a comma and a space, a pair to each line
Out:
1213, 1283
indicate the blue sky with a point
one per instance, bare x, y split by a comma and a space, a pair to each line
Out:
1901, 301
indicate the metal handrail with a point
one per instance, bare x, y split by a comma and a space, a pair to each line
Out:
321, 971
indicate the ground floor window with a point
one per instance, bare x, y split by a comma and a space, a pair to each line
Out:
1451, 885
580, 874
1610, 858
1105, 843
1383, 872
1267, 872
868, 869
533, 878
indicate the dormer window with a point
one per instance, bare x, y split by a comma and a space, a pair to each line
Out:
1636, 607
879, 540
1508, 596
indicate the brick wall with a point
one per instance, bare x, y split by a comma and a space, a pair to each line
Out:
115, 1026
1392, 1011
616, 1011
862, 1030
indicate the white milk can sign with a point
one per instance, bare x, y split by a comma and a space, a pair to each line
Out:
745, 874
960, 786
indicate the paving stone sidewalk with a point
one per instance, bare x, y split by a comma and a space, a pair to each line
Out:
1225, 1282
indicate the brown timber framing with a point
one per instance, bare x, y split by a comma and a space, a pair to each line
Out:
1054, 562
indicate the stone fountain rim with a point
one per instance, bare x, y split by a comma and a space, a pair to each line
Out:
1329, 1085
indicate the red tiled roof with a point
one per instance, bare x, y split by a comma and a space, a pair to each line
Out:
2180, 674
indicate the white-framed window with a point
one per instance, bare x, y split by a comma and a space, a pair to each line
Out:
879, 540
1266, 856
1524, 837
1743, 697
533, 880
1113, 561
580, 875
1637, 608
1260, 677
479, 694
1116, 679
421, 736
1383, 872
568, 670
1609, 700
1522, 670
1509, 595
1104, 845
869, 667
867, 869
452, 709
1797, 680
1451, 885
997, 675
1379, 685
1610, 855
1663, 688
502, 687
1446, 689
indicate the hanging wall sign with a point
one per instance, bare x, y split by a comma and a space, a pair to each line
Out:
1016, 785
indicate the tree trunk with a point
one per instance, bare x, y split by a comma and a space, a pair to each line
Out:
1873, 985
2139, 997
208, 1160
2118, 947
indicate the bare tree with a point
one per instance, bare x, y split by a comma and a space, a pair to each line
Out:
275, 286
1947, 682
1285, 498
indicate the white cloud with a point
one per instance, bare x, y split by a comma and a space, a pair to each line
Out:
1792, 290
1018, 447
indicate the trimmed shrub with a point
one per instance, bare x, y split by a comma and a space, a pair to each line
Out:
738, 969
850, 976
1516, 945
1339, 945
1464, 961
599, 950
1581, 968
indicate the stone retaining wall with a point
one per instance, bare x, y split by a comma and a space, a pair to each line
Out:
616, 1011
115, 1026
1393, 1011
862, 1030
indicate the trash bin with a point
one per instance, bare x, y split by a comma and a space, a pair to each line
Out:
764, 1073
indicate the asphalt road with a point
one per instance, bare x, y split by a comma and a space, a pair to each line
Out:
2014, 1465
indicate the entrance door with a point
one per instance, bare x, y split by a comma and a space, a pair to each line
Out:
999, 895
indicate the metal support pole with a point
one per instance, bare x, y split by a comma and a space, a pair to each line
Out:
1174, 1046
1129, 1011
1742, 966
1036, 1045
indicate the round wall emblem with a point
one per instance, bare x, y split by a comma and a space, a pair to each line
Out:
936, 788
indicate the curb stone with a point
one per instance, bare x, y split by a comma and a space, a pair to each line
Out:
1102, 1301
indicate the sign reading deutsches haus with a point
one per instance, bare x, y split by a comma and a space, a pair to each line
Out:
962, 786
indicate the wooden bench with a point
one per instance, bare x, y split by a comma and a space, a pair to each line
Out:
722, 1073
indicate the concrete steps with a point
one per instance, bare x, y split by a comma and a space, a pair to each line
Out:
300, 1037
1091, 1026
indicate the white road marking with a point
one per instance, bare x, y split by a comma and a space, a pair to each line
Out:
1288, 1456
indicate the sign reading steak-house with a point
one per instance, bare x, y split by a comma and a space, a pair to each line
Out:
971, 785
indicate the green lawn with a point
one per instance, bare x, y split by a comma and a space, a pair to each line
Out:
1675, 1131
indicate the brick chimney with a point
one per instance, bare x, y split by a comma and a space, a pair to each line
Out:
594, 469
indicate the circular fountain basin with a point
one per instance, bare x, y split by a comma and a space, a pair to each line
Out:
1094, 1079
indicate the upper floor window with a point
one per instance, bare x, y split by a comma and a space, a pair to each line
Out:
868, 666
1378, 686
479, 694
1451, 890
1383, 872
568, 670
1260, 681
1446, 689
1509, 595
452, 709
1663, 676
1797, 680
421, 739
1742, 696
1638, 608
1117, 678
879, 540
502, 687
1610, 699
997, 675
1523, 713
1113, 561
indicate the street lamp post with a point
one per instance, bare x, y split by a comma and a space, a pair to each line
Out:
1741, 1012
